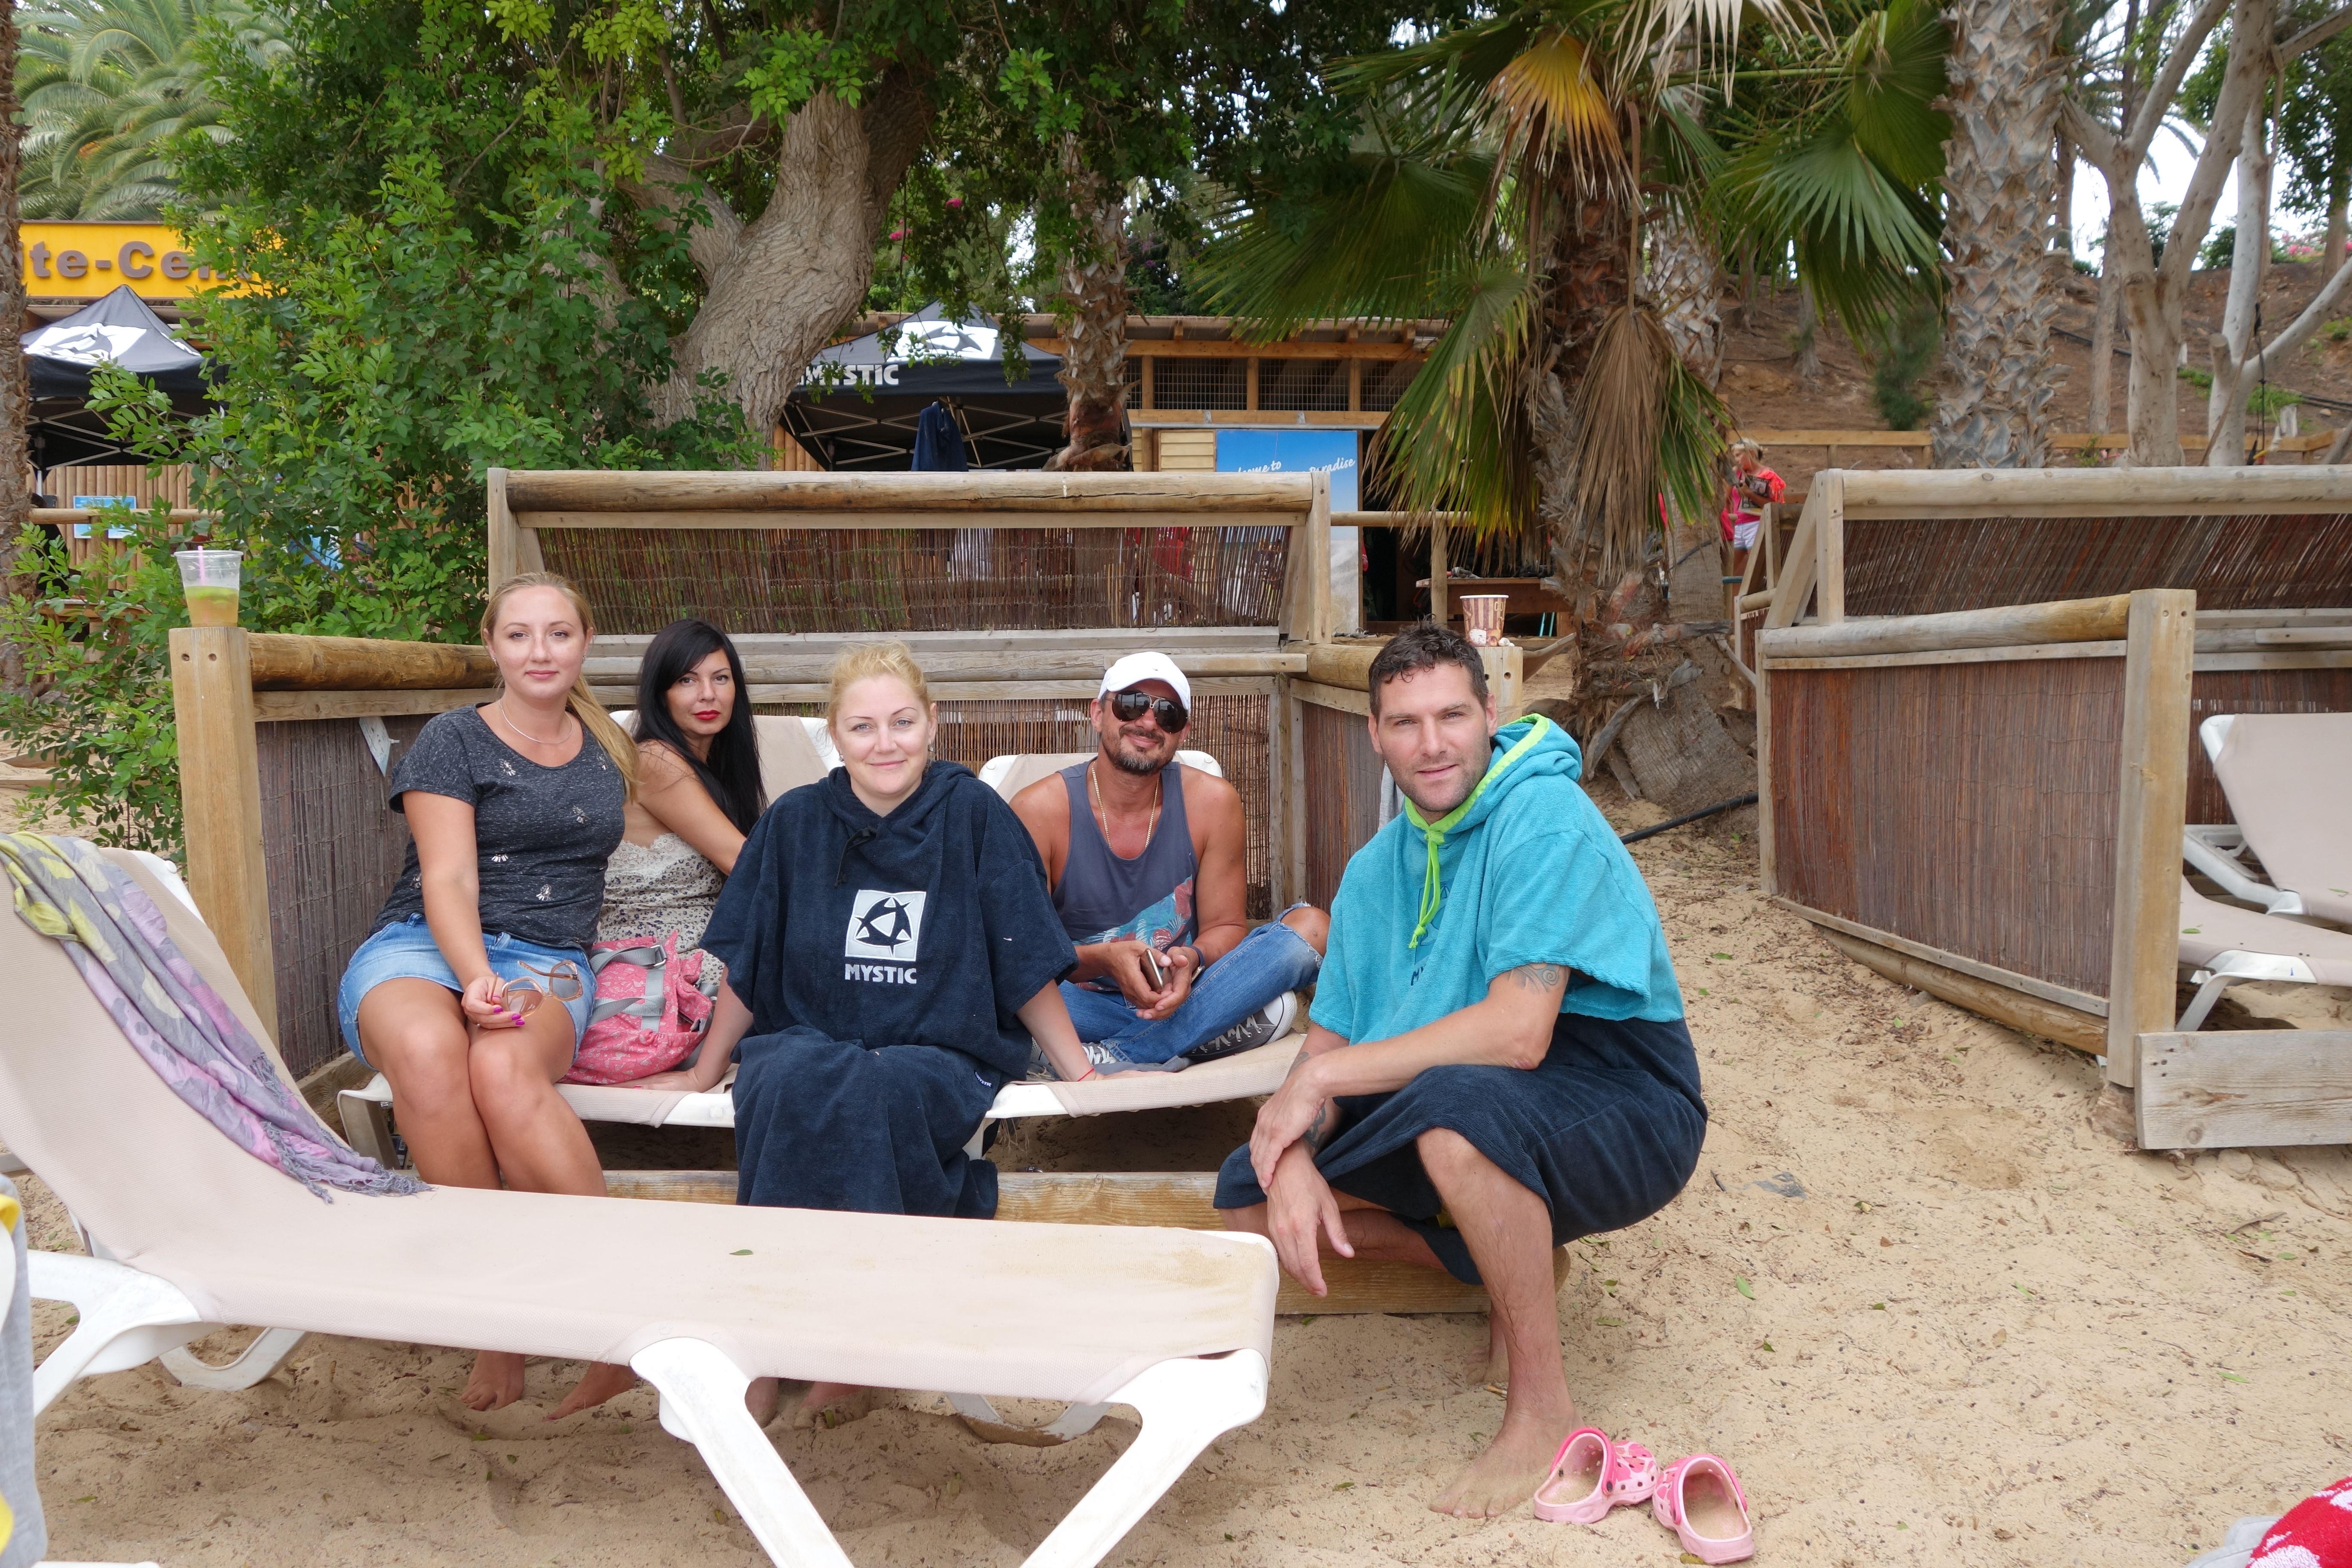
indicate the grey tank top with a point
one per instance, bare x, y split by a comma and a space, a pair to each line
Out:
1102, 897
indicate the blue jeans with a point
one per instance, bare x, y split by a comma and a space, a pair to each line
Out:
1271, 959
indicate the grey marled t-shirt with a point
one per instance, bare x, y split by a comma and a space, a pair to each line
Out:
542, 835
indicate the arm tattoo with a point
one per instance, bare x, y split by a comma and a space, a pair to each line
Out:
1539, 976
1318, 1131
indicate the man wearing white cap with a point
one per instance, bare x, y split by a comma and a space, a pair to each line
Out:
1145, 858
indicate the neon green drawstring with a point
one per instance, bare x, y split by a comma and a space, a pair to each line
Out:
1433, 891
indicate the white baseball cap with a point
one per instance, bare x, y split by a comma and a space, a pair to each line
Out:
1138, 668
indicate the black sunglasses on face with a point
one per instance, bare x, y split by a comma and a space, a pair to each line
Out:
1129, 706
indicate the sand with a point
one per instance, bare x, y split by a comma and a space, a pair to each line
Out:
1926, 1310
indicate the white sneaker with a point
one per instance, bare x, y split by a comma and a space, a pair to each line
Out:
1268, 1024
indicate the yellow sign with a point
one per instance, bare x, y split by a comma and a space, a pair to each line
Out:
84, 260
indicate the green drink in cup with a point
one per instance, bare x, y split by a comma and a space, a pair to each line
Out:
210, 579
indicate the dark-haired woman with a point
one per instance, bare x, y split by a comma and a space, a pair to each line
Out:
698, 793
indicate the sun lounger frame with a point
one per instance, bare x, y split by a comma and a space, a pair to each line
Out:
1992, 802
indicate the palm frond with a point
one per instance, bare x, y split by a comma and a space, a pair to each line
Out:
1644, 426
1457, 442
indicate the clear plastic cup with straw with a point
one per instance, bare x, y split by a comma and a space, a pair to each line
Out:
1482, 618
210, 578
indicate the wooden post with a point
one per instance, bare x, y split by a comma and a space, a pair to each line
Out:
1766, 850
1249, 386
1281, 710
220, 798
1796, 584
1437, 569
1148, 393
1506, 677
504, 551
1355, 387
1829, 540
1318, 550
1772, 542
2152, 799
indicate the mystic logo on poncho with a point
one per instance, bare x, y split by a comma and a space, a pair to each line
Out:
884, 925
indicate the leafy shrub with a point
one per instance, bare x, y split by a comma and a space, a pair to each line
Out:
1902, 357
387, 360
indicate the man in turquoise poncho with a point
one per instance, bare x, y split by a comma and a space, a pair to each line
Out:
1497, 1062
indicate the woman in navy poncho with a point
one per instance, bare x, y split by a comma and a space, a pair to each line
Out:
891, 932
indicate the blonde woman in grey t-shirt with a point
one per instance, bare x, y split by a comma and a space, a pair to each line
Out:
471, 992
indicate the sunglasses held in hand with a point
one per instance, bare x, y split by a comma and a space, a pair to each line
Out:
561, 980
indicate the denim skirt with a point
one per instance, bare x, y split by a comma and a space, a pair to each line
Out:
404, 950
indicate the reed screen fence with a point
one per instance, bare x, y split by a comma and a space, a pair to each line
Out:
331, 849
1342, 796
1970, 808
1900, 567
887, 581
1234, 730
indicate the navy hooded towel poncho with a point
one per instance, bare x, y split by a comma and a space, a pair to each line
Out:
884, 960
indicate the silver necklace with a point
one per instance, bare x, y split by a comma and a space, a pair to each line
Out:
523, 733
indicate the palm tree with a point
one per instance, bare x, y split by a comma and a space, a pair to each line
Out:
1993, 411
1495, 185
106, 84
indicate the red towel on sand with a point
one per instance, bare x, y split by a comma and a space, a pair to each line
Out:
2316, 1533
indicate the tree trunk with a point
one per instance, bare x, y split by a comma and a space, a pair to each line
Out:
1684, 282
2225, 405
16, 491
2102, 347
1992, 411
779, 288
2061, 204
1093, 281
1590, 277
1806, 341
2339, 188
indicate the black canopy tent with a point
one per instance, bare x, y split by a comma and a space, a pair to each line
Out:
63, 430
856, 408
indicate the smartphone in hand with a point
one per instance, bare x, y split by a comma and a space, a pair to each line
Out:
1154, 968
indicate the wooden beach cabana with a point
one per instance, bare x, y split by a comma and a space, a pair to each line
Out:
1015, 592
1979, 694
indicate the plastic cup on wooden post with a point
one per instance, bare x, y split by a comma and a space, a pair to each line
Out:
210, 578
1482, 618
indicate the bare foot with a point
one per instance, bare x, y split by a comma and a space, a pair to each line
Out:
600, 1383
496, 1381
1505, 1476
762, 1398
843, 1401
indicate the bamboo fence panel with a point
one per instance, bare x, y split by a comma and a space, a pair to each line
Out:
2216, 691
936, 579
1343, 796
332, 849
1967, 807
1899, 566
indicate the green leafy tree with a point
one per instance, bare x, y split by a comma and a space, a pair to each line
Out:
386, 360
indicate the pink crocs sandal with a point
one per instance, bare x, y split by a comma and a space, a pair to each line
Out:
1699, 1500
1592, 1476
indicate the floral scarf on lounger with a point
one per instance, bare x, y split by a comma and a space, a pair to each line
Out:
116, 937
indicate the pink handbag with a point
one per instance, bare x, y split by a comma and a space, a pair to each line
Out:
648, 1015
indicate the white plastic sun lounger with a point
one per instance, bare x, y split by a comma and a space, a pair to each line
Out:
190, 1233
2285, 776
2222, 944
366, 1111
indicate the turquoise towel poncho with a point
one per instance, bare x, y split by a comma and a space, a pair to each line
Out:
1526, 870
